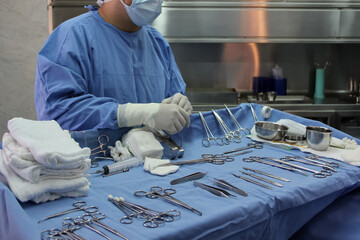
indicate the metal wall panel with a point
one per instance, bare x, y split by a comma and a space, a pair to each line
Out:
221, 66
240, 24
349, 23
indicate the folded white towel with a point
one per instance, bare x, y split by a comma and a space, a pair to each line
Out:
352, 156
49, 189
294, 127
24, 165
151, 165
48, 142
142, 143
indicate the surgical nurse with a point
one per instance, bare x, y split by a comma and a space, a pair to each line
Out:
108, 69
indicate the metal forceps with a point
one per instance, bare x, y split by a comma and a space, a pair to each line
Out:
317, 158
152, 218
309, 162
103, 141
228, 134
78, 206
258, 159
240, 129
158, 192
86, 223
249, 145
67, 232
253, 113
206, 141
217, 159
96, 217
319, 174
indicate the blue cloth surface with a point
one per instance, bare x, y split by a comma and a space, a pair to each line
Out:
341, 220
87, 67
264, 214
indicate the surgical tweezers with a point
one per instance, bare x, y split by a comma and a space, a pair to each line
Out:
223, 184
213, 190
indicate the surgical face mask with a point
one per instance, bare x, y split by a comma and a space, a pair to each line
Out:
143, 12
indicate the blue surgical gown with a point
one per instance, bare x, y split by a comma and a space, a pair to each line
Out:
87, 67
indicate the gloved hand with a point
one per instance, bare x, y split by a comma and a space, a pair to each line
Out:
181, 101
169, 117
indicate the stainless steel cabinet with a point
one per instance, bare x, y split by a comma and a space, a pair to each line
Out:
260, 21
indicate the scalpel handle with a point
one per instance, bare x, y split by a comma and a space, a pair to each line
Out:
194, 176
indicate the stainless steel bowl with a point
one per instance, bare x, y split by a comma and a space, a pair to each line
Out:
318, 138
294, 138
270, 130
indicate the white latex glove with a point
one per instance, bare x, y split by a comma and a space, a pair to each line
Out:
181, 101
169, 117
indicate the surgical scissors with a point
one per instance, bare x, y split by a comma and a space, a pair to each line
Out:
249, 145
206, 141
228, 134
78, 206
319, 174
237, 124
156, 192
217, 159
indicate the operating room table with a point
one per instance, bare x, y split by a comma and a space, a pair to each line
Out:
305, 208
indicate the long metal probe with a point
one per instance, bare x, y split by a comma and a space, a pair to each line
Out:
267, 174
262, 179
252, 181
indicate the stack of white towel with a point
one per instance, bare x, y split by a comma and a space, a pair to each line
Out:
142, 143
41, 162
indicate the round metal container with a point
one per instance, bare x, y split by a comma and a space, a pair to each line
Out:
270, 130
294, 138
318, 138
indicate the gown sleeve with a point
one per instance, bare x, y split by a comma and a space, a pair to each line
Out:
61, 86
177, 83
